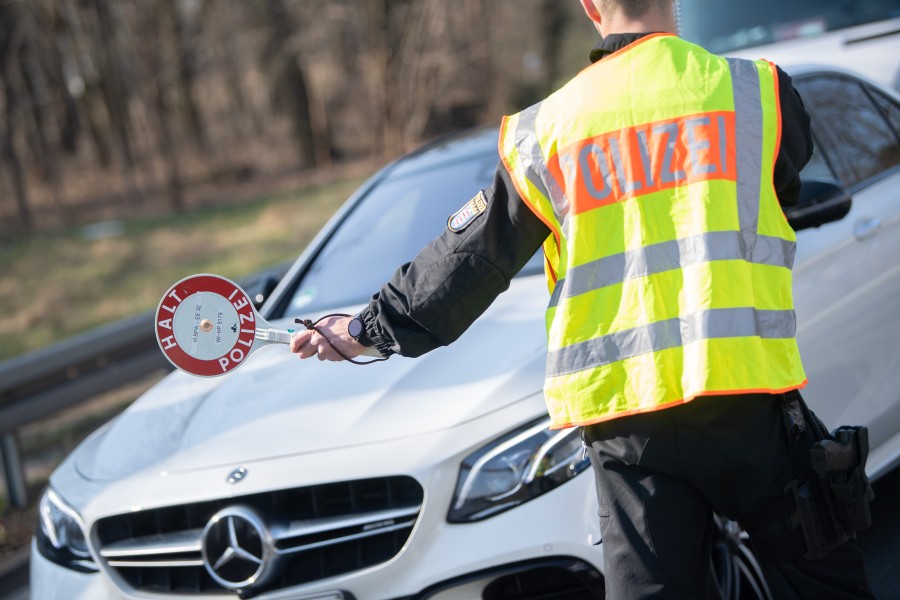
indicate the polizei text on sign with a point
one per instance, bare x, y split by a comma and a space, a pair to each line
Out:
206, 325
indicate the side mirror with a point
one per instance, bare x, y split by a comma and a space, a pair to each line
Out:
820, 202
261, 287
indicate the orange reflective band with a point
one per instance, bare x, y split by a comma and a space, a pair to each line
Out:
777, 83
647, 158
549, 270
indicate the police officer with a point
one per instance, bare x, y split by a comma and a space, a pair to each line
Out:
655, 180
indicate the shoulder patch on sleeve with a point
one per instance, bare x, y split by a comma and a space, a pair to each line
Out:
464, 216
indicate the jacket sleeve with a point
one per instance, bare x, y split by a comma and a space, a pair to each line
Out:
430, 301
796, 142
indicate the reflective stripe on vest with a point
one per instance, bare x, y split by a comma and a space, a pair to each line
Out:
660, 157
671, 333
675, 254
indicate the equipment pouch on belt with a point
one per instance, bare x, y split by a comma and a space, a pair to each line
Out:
841, 461
832, 504
838, 490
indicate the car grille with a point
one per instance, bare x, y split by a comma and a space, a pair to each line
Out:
317, 532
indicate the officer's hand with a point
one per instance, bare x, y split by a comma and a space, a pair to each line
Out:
309, 343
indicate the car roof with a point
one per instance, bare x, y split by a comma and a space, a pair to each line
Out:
478, 142
810, 69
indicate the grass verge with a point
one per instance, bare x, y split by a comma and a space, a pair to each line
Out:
57, 285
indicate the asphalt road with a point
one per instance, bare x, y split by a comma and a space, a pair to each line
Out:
880, 543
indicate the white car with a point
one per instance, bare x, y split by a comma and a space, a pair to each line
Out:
436, 477
853, 34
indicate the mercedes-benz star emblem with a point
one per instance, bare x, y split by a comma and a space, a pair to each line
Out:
236, 548
237, 475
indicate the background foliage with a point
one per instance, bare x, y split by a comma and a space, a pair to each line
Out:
137, 107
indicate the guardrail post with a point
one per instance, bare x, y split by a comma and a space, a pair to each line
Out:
12, 469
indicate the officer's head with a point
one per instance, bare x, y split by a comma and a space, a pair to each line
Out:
631, 16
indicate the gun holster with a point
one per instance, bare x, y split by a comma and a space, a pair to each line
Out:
842, 462
830, 505
833, 504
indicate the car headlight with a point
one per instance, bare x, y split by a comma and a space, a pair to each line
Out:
60, 536
515, 468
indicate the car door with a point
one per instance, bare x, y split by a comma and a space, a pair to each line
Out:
847, 272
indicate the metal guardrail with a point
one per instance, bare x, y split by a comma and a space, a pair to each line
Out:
39, 384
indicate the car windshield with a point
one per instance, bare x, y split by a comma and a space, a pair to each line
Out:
721, 26
395, 219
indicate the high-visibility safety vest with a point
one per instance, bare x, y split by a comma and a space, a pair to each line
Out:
670, 258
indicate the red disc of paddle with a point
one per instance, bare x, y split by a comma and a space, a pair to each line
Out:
206, 325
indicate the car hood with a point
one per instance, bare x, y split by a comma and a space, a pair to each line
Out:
276, 405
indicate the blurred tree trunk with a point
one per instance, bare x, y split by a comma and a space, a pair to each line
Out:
382, 45
552, 20
151, 18
9, 42
413, 61
32, 58
113, 85
289, 79
185, 29
482, 71
246, 121
11, 157
61, 54
90, 101
416, 81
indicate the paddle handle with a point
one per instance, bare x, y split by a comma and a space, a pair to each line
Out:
271, 335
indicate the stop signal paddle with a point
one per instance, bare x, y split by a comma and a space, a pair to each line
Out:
207, 326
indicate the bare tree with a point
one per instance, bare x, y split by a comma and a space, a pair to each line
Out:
35, 64
151, 17
185, 28
10, 41
59, 51
114, 84
290, 83
430, 67
84, 78
552, 19
245, 121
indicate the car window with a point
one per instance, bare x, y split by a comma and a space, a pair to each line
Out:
395, 220
723, 26
853, 134
817, 169
890, 108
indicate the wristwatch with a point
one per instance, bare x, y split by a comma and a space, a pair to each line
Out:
357, 330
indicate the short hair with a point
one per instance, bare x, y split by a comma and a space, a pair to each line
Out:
632, 9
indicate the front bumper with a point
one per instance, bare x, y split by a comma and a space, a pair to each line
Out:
49, 581
541, 579
554, 535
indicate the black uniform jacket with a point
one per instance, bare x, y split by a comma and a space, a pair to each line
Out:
432, 300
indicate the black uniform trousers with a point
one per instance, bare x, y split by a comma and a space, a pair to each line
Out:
660, 476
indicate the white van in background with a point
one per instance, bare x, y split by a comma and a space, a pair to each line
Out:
863, 35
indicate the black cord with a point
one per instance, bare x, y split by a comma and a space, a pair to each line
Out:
309, 324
